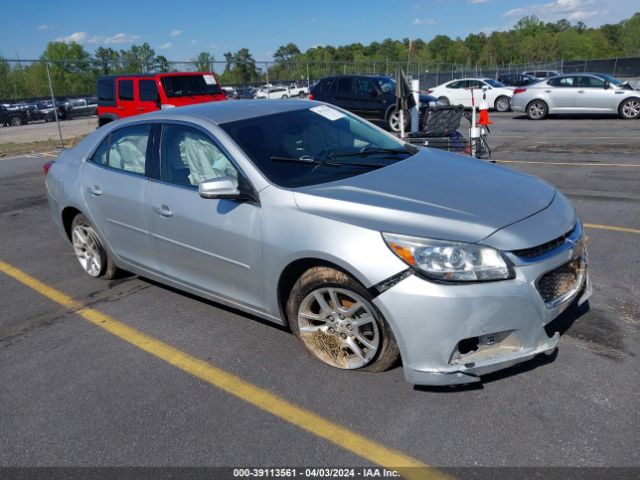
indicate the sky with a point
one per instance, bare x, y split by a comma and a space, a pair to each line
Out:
179, 30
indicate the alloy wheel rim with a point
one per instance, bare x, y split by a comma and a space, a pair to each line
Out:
339, 327
631, 109
536, 110
86, 248
503, 105
394, 121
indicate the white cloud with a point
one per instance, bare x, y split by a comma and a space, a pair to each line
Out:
193, 41
77, 37
423, 21
164, 46
476, 2
572, 10
119, 38
84, 39
176, 33
44, 26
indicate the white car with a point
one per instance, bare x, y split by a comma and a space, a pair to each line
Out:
298, 91
273, 92
457, 92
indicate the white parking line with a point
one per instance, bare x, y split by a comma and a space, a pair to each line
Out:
53, 154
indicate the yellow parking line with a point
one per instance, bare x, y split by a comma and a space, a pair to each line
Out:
343, 437
573, 164
610, 227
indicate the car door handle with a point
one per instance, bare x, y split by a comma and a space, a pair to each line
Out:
547, 91
140, 109
94, 190
580, 91
163, 211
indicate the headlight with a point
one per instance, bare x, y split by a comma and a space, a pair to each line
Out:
450, 261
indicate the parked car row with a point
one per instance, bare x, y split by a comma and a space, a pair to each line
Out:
17, 114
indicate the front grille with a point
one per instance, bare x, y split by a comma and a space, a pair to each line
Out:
539, 250
560, 281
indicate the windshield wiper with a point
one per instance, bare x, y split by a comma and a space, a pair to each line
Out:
317, 161
372, 150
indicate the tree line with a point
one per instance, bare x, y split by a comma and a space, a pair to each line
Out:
73, 70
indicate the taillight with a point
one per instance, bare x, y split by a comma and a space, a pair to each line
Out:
311, 97
47, 166
519, 90
430, 91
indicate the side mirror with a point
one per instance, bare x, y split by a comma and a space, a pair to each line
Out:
606, 84
221, 187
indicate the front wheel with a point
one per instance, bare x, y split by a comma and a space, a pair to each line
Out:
91, 255
393, 121
630, 109
334, 317
502, 104
537, 110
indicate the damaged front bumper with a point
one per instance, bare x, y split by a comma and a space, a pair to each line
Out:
454, 334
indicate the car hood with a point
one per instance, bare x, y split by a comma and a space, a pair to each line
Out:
431, 194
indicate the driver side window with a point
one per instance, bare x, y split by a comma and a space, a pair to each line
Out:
188, 157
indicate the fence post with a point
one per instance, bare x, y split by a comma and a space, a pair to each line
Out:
437, 74
266, 69
615, 64
55, 108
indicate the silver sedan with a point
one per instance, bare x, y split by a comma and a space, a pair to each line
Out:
368, 248
590, 93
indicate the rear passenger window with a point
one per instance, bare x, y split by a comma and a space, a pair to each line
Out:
128, 149
125, 89
105, 90
189, 157
561, 82
364, 87
458, 84
345, 85
148, 90
100, 155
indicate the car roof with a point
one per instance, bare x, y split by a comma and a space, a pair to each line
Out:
231, 111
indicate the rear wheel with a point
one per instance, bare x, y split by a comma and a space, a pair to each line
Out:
537, 110
630, 109
503, 103
15, 121
91, 255
334, 317
393, 120
444, 101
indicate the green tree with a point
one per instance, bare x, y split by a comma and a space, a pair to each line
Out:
286, 53
204, 62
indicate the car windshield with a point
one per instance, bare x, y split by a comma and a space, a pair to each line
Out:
314, 145
386, 84
610, 79
494, 83
188, 85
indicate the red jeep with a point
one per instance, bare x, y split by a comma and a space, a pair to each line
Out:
126, 95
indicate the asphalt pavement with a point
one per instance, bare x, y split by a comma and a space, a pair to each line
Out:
74, 394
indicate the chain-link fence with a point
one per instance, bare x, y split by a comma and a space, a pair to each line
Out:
48, 104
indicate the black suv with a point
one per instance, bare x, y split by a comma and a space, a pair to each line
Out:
517, 79
371, 97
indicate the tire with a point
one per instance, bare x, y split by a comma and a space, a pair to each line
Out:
284, 96
502, 104
393, 120
330, 334
630, 109
444, 101
15, 121
537, 110
92, 256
